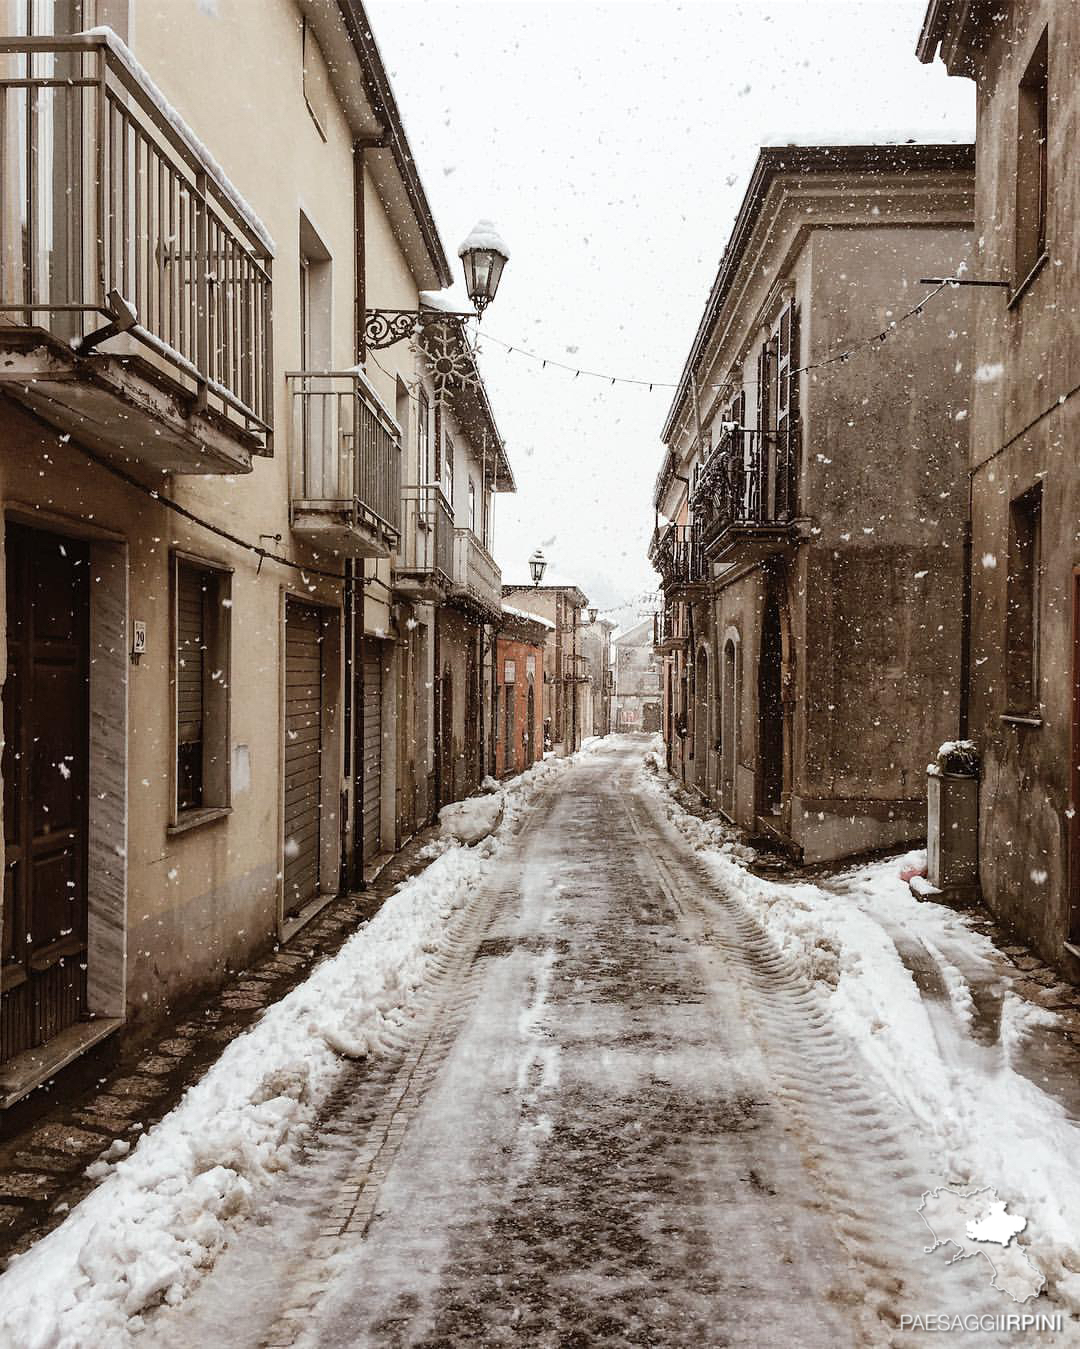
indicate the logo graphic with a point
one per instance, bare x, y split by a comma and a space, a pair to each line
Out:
976, 1222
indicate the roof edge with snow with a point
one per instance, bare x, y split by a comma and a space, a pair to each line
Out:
774, 162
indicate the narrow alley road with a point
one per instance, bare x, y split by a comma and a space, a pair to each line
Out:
623, 1119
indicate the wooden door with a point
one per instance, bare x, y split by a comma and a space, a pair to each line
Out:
530, 726
303, 753
446, 738
45, 772
771, 715
373, 742
1074, 774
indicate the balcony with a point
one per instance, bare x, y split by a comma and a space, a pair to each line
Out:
667, 630
744, 498
677, 555
477, 580
135, 292
424, 570
345, 465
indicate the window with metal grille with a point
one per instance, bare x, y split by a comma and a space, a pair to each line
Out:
201, 681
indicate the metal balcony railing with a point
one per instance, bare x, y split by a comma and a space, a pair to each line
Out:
427, 534
110, 207
345, 454
476, 575
666, 633
678, 556
748, 481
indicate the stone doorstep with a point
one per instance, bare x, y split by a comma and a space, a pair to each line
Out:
34, 1066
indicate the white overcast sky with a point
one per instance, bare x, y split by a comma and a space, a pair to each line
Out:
612, 144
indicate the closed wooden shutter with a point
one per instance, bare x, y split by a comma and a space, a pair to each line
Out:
303, 752
190, 681
373, 733
787, 410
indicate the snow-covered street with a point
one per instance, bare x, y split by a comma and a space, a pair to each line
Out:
638, 1096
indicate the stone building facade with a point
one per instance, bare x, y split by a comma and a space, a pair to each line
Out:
636, 701
811, 502
562, 606
217, 674
519, 695
1022, 682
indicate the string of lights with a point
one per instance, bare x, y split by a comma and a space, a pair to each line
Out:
873, 340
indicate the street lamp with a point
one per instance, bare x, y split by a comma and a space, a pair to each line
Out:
537, 566
592, 615
483, 255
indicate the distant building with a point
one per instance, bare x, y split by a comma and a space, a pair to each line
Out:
597, 674
518, 714
636, 697
1022, 674
564, 660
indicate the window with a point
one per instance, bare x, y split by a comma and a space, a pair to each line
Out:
509, 672
201, 606
1032, 126
315, 300
1022, 616
423, 437
472, 505
448, 470
530, 667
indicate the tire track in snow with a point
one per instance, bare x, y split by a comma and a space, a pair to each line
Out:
871, 1180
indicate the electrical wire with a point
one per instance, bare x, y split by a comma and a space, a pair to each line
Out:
263, 554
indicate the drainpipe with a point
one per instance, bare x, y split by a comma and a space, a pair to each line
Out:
964, 716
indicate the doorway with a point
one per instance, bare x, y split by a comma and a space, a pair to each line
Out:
771, 714
303, 754
729, 727
46, 763
1074, 774
701, 721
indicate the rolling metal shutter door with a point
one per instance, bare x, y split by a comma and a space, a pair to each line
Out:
303, 752
373, 676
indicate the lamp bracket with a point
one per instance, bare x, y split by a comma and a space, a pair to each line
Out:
384, 327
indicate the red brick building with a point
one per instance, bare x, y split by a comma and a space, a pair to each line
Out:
519, 692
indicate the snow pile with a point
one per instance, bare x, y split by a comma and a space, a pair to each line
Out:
472, 820
155, 1226
858, 937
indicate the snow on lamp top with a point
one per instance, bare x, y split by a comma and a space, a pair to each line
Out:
484, 235
483, 255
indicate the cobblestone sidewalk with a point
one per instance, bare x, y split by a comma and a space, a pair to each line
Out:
44, 1153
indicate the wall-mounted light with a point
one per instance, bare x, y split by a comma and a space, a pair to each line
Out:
483, 255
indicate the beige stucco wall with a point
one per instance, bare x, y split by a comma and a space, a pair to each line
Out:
204, 900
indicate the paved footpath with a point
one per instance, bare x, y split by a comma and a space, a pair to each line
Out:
621, 1119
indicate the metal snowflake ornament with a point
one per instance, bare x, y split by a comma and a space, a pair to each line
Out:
449, 360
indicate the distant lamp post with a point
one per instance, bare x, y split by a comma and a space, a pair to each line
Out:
483, 255
592, 615
537, 566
